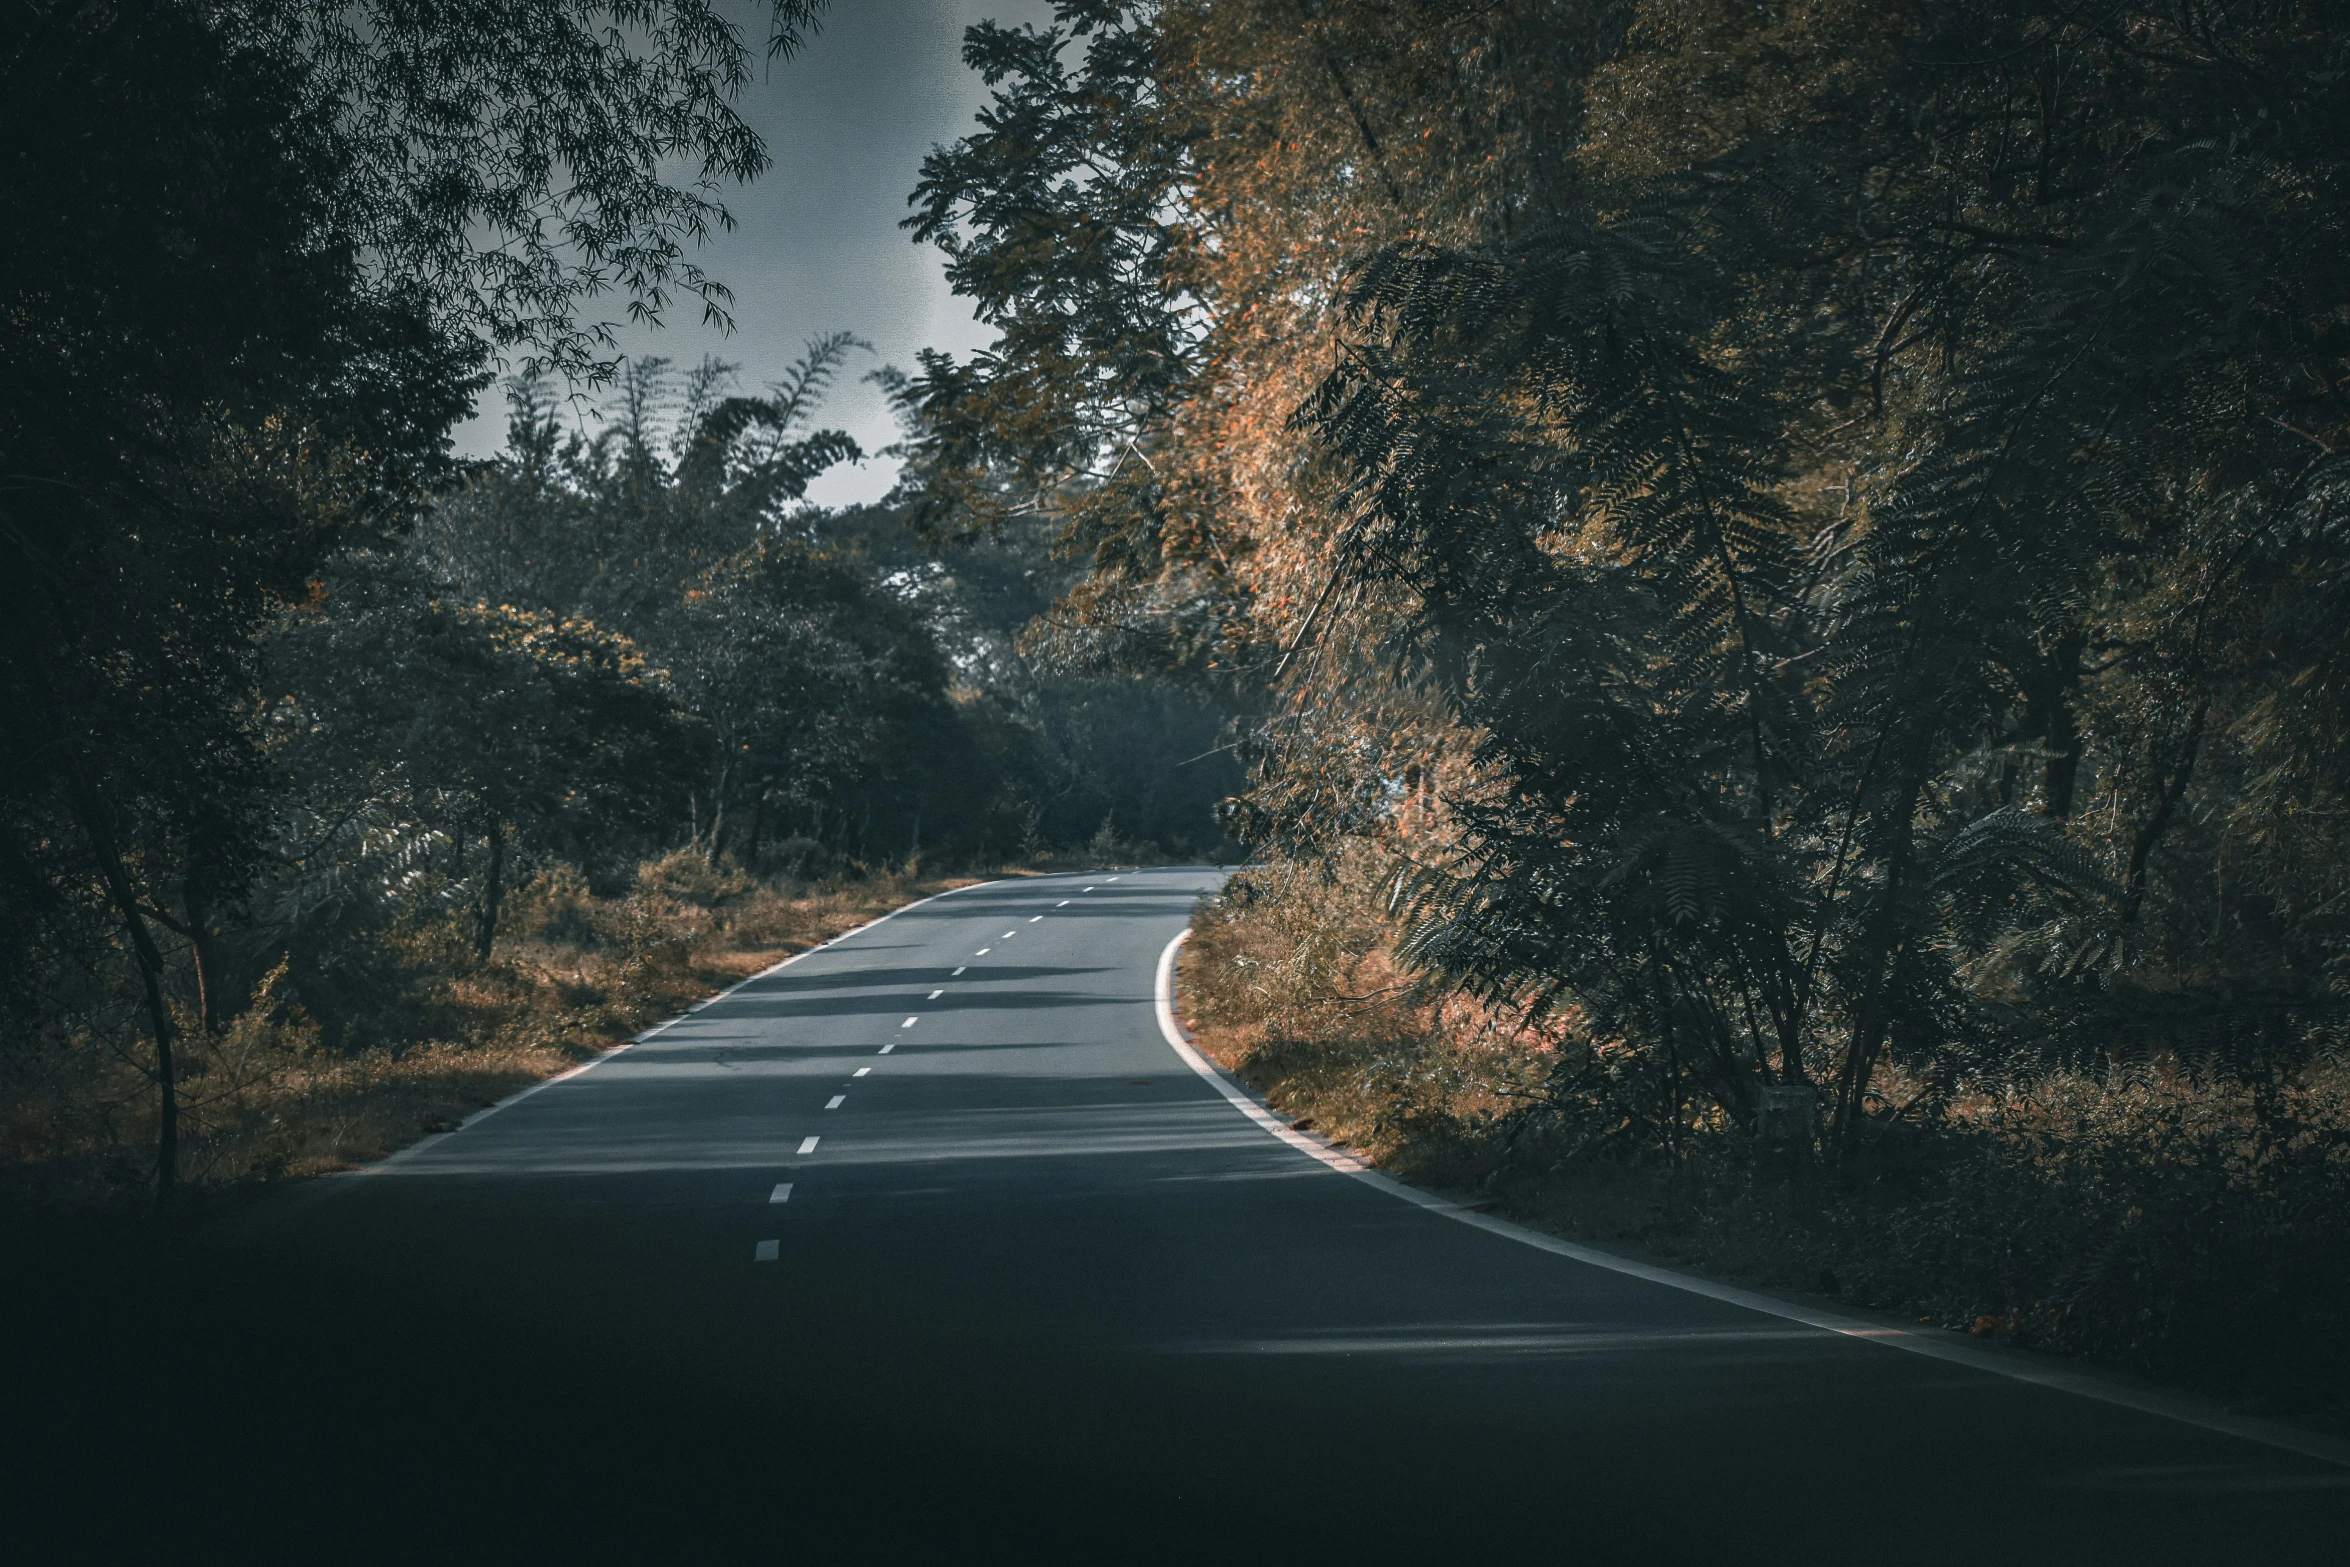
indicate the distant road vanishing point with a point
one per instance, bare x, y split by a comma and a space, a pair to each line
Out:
930, 1243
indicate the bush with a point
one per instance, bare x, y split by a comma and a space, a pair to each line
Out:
684, 877
276, 1093
556, 905
2191, 1227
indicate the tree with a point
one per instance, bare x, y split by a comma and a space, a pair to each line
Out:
260, 254
1067, 220
824, 689
179, 453
484, 723
1753, 794
679, 474
1751, 475
675, 523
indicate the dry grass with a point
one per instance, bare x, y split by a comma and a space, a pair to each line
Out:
268, 1098
2191, 1229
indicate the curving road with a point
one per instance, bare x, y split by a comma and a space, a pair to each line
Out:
930, 1243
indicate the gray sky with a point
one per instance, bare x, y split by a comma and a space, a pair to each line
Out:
816, 247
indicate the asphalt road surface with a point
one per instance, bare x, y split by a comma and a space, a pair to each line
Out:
929, 1246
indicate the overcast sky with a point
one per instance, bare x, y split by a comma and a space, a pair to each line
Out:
817, 247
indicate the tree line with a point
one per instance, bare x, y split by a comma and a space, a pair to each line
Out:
290, 684
1809, 537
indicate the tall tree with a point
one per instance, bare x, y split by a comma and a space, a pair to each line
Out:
1758, 470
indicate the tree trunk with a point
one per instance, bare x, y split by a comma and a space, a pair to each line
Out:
2049, 686
204, 945
1887, 941
2172, 783
493, 893
92, 813
1868, 1038
718, 808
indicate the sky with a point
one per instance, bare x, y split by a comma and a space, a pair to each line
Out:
816, 247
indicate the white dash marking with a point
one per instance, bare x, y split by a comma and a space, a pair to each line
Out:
981, 953
1089, 889
908, 1023
1064, 903
958, 971
886, 1049
782, 1192
1037, 918
808, 1144
861, 1071
934, 995
836, 1101
1009, 934
767, 1251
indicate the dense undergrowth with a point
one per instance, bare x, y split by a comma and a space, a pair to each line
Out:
2187, 1227
431, 1035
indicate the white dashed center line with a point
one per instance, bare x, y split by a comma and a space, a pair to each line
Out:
782, 1192
861, 1071
981, 953
1009, 934
836, 1101
934, 995
908, 1023
958, 971
886, 1049
1033, 921
1089, 889
1064, 903
808, 1144
767, 1251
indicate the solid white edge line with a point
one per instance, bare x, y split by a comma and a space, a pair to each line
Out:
402, 1155
2189, 1411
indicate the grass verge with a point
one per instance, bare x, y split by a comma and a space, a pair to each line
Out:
347, 1055
2194, 1231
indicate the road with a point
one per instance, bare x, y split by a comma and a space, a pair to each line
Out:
929, 1244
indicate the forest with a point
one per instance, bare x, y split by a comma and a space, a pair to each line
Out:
349, 783
1763, 587
1786, 565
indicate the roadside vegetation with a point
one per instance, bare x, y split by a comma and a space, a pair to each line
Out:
348, 785
1787, 565
2140, 1215
1768, 587
423, 1034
